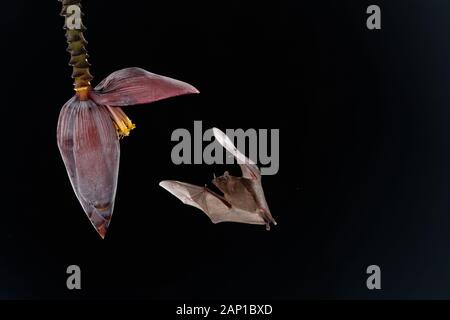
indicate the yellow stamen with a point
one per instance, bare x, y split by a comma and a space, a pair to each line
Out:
122, 123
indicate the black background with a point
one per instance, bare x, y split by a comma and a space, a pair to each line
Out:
364, 172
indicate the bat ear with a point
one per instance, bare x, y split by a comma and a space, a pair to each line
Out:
137, 86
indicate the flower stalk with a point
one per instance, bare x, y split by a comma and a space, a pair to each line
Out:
78, 53
92, 122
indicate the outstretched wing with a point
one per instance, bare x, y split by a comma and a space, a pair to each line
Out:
251, 172
212, 204
249, 169
200, 197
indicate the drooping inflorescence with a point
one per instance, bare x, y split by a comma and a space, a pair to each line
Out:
92, 121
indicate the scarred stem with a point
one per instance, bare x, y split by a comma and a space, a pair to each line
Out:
78, 53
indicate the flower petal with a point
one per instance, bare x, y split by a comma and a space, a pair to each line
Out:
137, 86
90, 150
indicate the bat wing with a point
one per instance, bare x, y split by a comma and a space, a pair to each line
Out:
240, 216
249, 168
202, 198
251, 172
213, 205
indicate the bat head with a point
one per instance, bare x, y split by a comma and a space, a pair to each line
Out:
222, 182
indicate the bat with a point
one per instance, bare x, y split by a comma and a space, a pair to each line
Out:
243, 199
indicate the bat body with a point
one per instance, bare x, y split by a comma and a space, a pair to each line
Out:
243, 197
